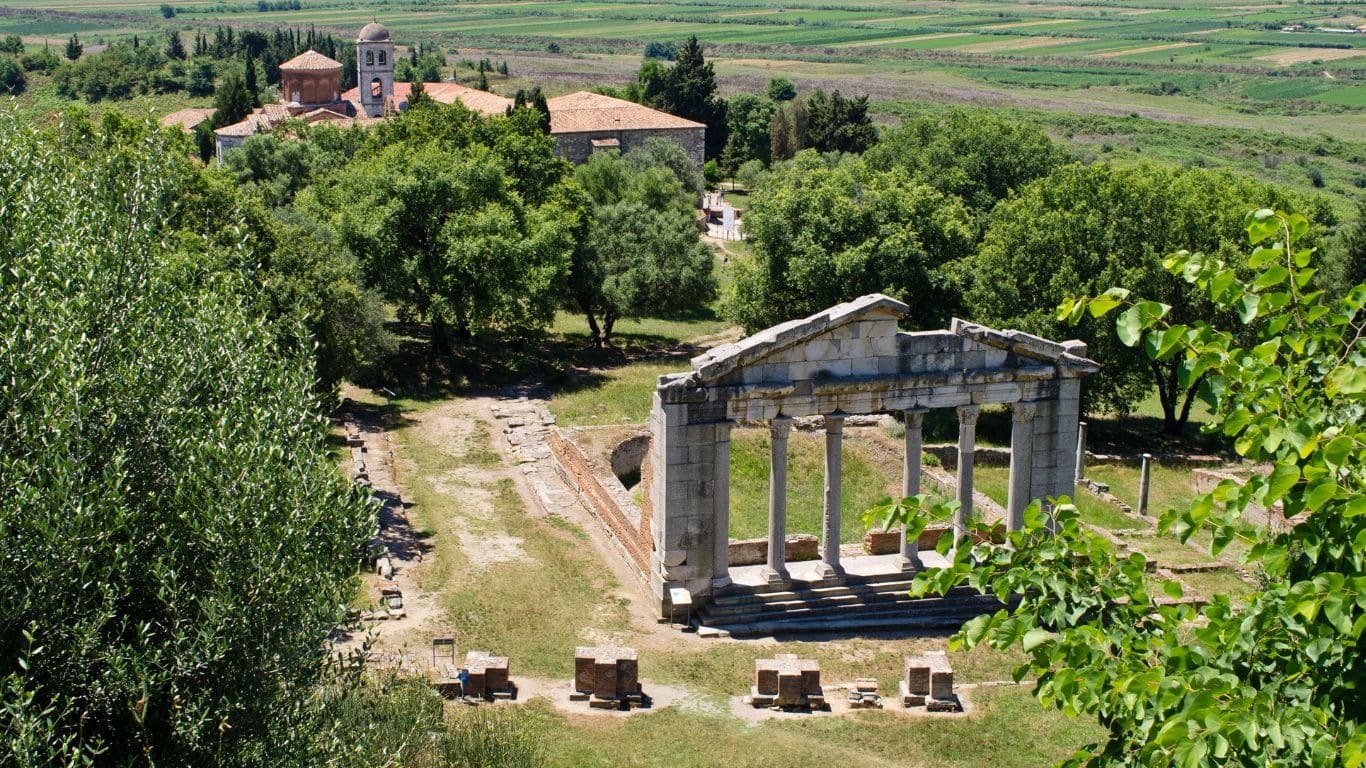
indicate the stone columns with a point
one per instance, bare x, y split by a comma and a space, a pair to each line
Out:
1021, 463
721, 504
967, 446
830, 520
776, 570
910, 484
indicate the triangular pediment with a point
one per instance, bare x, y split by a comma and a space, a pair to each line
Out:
777, 340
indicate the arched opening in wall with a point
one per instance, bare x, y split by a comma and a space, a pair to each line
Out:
627, 459
376, 88
369, 58
383, 58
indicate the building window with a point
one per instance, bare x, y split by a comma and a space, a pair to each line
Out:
382, 58
369, 58
376, 88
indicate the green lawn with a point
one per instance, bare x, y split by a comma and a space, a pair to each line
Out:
864, 484
1169, 487
1008, 730
614, 395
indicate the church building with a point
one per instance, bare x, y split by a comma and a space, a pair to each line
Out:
581, 123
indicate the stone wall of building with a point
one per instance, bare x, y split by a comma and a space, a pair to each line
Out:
604, 496
578, 147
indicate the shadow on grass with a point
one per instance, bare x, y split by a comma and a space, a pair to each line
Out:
1105, 433
562, 362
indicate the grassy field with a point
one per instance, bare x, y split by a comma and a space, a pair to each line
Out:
487, 555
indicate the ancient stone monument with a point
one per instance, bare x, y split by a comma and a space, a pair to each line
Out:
486, 676
847, 360
607, 677
928, 682
788, 682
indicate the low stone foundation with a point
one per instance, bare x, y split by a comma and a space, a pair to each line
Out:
799, 546
889, 542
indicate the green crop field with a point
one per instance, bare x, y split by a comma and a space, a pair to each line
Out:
1253, 86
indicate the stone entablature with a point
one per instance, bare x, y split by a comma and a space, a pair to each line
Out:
847, 360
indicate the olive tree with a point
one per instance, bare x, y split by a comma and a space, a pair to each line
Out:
639, 249
826, 231
177, 542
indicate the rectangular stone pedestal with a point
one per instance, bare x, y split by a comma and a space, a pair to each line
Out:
928, 682
487, 675
606, 677
786, 681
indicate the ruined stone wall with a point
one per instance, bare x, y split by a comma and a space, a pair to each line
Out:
578, 147
613, 506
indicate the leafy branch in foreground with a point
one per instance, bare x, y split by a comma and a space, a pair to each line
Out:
1281, 680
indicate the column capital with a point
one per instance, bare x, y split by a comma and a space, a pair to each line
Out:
967, 414
1023, 412
834, 422
779, 427
914, 416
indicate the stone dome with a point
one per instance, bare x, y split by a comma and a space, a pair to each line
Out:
374, 32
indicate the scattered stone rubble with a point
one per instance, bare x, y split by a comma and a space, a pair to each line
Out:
864, 694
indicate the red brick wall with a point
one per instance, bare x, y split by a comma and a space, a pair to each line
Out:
574, 467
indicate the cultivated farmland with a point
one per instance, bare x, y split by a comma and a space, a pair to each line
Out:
1279, 87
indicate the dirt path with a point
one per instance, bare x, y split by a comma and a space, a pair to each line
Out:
400, 545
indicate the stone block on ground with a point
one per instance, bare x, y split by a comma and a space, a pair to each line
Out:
786, 681
928, 679
606, 672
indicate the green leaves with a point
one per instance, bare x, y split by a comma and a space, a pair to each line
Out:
1268, 681
1136, 319
1346, 381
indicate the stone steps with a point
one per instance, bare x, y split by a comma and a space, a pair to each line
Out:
879, 604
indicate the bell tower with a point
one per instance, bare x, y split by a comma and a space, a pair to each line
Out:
374, 68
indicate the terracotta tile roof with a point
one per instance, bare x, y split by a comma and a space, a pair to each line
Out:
585, 112
187, 119
252, 124
446, 93
311, 61
323, 113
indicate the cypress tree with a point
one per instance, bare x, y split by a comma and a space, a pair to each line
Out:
232, 102
250, 80
175, 49
74, 48
691, 93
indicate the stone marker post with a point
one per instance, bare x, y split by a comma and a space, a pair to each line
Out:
1143, 484
1081, 451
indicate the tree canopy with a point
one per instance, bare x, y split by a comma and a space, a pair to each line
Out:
979, 157
177, 540
1084, 228
827, 231
1276, 681
639, 249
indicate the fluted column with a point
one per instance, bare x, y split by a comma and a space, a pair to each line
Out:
830, 520
721, 528
967, 446
1021, 463
910, 484
776, 571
